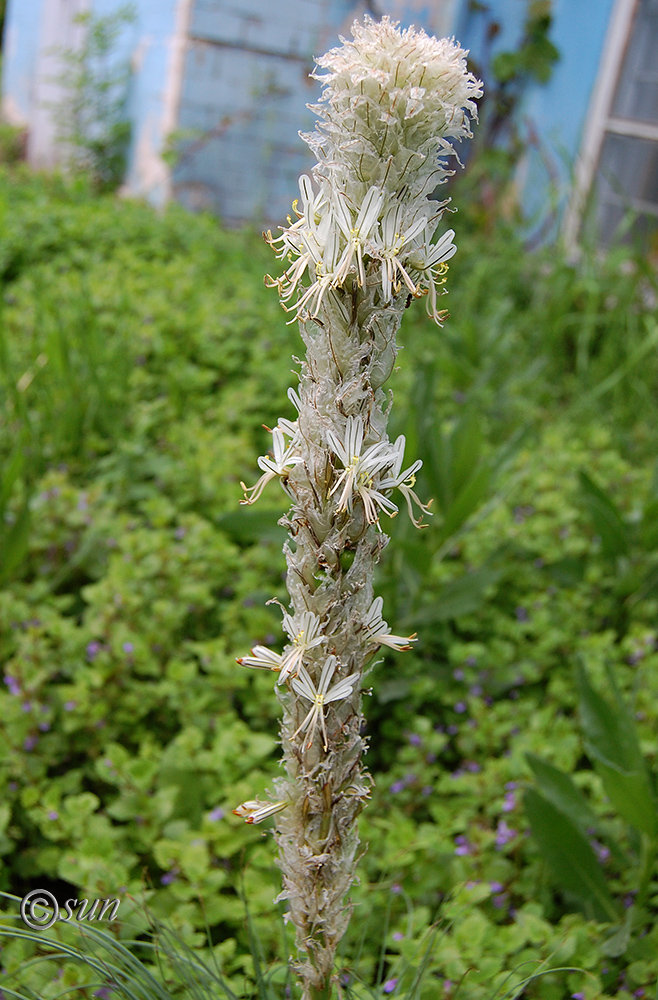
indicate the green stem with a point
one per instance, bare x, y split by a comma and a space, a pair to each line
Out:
324, 992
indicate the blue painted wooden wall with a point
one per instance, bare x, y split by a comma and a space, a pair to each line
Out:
231, 78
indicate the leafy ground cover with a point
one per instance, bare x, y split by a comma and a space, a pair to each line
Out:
139, 356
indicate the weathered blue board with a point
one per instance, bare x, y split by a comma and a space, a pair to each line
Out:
230, 80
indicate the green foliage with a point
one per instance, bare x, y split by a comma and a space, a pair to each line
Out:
139, 355
563, 822
92, 119
536, 55
12, 143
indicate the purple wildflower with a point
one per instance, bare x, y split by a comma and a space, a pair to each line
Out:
103, 993
398, 936
70, 705
12, 684
509, 802
180, 533
503, 834
397, 786
44, 726
496, 886
415, 739
458, 674
463, 846
430, 758
27, 706
461, 707
396, 888
390, 985
500, 900
93, 649
53, 814
452, 730
602, 852
472, 661
128, 647
476, 690
427, 790
30, 742
577, 996
169, 877
473, 767
521, 614
216, 814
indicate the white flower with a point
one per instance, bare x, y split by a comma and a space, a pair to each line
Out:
311, 246
320, 696
429, 262
394, 239
254, 811
305, 634
279, 465
356, 232
404, 481
379, 632
357, 477
262, 658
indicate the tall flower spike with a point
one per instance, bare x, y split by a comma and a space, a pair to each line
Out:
361, 239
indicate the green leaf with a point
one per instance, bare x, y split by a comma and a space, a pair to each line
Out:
569, 856
466, 448
619, 940
611, 742
559, 789
649, 526
462, 596
245, 526
11, 470
470, 498
14, 543
605, 517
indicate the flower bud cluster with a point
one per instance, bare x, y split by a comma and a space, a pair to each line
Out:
392, 101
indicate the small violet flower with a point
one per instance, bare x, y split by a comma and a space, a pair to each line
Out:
504, 834
13, 685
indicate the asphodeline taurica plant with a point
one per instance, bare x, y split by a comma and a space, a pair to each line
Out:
366, 240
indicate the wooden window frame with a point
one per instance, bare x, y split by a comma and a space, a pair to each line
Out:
600, 120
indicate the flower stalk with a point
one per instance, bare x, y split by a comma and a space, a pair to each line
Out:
361, 247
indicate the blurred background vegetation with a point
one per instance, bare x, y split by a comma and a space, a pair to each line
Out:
512, 827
